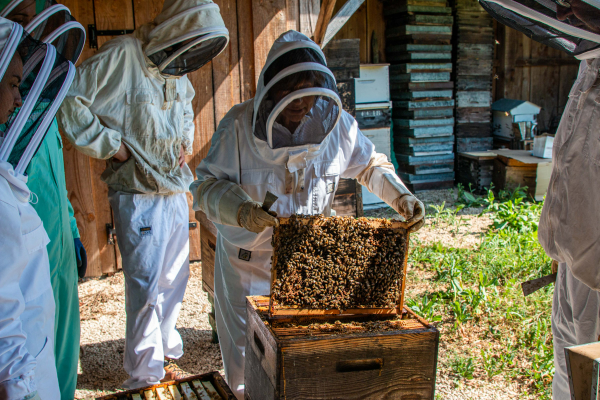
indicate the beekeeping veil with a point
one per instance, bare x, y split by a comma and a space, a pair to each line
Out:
293, 61
185, 35
569, 25
46, 80
53, 24
56, 26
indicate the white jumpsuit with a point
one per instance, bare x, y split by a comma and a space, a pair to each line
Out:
570, 222
243, 258
120, 96
27, 309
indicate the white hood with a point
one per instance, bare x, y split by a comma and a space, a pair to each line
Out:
323, 117
48, 77
196, 21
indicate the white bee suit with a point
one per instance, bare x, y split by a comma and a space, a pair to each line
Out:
570, 222
134, 91
27, 308
304, 177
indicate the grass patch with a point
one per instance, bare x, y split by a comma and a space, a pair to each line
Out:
474, 295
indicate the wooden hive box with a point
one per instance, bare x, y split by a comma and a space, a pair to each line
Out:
210, 386
303, 362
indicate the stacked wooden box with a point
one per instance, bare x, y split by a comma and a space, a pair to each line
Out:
418, 45
343, 58
474, 170
373, 115
473, 55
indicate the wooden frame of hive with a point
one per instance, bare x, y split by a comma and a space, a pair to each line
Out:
277, 311
154, 392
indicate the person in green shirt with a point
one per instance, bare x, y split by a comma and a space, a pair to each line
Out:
46, 179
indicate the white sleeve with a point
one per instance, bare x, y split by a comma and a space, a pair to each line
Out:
188, 119
17, 366
95, 80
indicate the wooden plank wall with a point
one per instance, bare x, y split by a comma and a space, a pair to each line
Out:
368, 25
528, 70
228, 80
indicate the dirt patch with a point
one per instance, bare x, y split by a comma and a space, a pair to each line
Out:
102, 303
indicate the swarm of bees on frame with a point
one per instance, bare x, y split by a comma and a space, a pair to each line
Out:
337, 263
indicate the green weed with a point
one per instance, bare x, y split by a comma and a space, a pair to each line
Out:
480, 287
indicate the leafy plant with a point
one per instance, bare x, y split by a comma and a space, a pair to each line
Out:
464, 367
426, 308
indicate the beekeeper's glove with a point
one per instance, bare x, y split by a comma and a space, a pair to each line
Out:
252, 217
225, 202
406, 204
33, 396
381, 180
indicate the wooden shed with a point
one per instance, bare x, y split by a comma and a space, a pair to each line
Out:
523, 70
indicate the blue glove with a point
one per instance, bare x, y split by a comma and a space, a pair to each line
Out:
81, 256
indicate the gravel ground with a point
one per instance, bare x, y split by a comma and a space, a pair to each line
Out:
103, 319
102, 303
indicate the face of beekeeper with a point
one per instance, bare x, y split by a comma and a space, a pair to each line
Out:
291, 116
10, 97
23, 13
581, 15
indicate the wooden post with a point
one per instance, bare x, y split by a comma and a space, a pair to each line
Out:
323, 21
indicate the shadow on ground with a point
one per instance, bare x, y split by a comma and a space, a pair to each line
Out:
102, 363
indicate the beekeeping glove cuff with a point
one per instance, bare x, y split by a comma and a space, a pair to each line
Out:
380, 178
221, 200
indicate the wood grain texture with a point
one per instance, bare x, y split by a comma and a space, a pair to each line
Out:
195, 247
103, 212
270, 19
356, 28
375, 32
325, 14
226, 68
208, 242
78, 174
246, 49
146, 10
340, 18
308, 14
113, 14
367, 365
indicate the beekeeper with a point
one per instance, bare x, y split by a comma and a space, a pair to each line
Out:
294, 140
27, 366
46, 178
569, 227
131, 104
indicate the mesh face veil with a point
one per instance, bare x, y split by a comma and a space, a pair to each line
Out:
291, 83
56, 26
46, 79
572, 26
184, 42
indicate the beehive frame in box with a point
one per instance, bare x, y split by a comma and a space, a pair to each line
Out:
338, 265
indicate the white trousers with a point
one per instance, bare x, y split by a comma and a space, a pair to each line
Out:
575, 320
153, 237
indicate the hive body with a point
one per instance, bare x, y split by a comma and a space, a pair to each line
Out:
286, 360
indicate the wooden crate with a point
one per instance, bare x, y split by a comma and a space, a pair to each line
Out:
282, 311
476, 169
297, 363
208, 244
347, 201
210, 386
